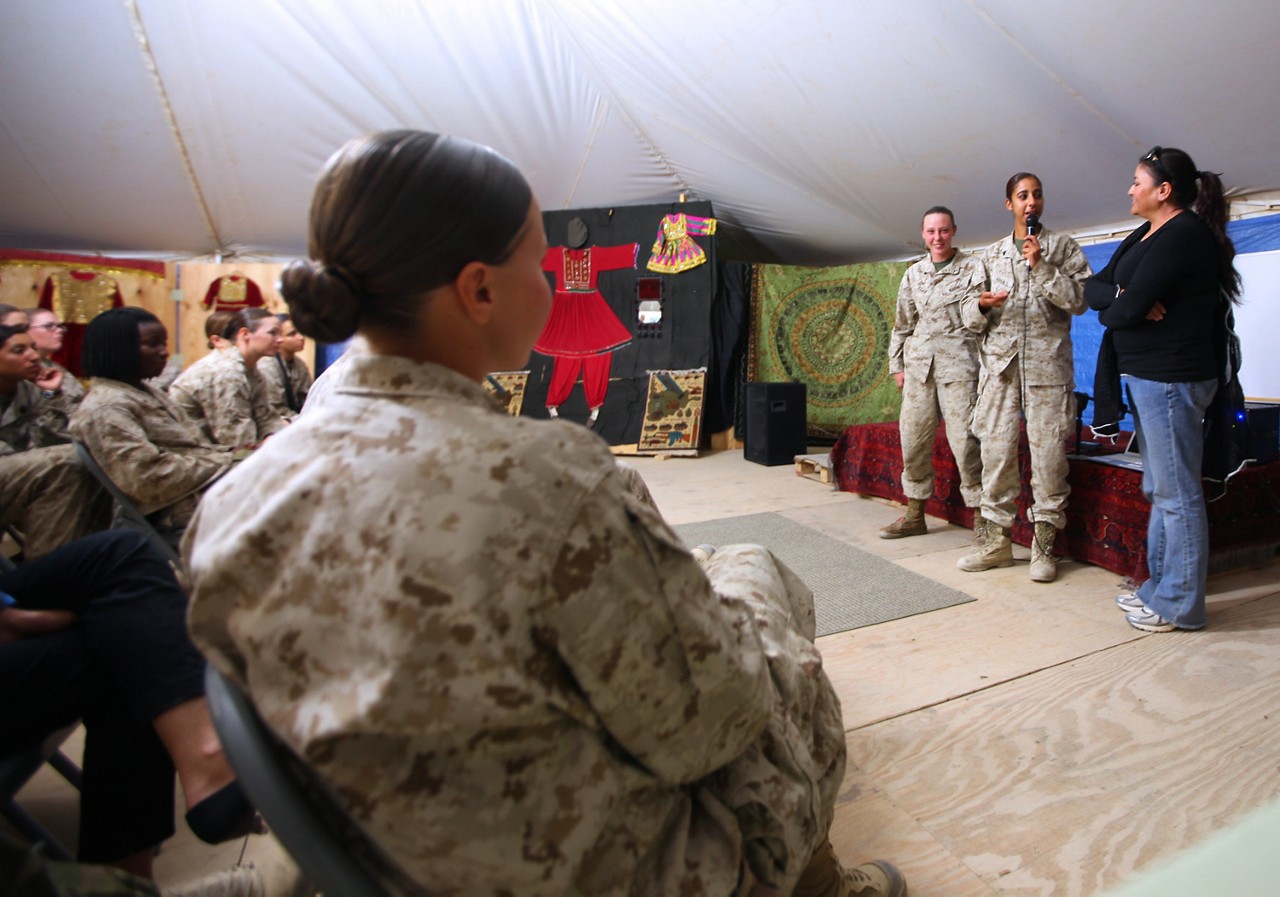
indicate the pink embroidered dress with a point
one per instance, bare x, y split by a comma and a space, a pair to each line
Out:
673, 251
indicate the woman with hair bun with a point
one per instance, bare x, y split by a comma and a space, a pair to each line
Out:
286, 376
224, 393
1164, 297
140, 437
502, 659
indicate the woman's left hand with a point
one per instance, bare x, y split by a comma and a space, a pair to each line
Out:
49, 379
1157, 312
16, 622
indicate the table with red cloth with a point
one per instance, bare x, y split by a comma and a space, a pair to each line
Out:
1106, 513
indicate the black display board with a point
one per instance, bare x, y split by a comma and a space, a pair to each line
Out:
682, 339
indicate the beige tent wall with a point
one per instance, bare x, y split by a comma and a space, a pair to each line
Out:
194, 279
21, 281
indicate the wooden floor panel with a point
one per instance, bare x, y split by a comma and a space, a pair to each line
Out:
1065, 781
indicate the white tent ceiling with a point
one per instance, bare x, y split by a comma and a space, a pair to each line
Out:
823, 128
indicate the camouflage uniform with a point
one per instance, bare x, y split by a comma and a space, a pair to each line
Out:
71, 388
936, 350
149, 448
1026, 348
172, 368
321, 388
506, 664
227, 399
44, 491
299, 378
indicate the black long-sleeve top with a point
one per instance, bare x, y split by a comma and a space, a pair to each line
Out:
1178, 266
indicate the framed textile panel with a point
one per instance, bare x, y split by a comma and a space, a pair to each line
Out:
673, 413
509, 387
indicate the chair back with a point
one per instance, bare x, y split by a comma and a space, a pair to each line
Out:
125, 507
300, 809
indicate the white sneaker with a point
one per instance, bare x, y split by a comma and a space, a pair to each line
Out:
1149, 621
1129, 602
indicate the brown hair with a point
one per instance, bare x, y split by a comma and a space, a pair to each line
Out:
396, 214
216, 325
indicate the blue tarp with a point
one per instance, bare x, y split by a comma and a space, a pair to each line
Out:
1250, 235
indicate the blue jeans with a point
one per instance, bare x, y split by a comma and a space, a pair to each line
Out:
1170, 424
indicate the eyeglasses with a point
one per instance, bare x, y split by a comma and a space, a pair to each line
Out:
1154, 158
49, 327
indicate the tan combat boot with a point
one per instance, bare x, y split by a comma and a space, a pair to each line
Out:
1043, 567
909, 524
826, 877
995, 551
979, 528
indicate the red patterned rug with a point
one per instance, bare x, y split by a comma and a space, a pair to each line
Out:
1107, 514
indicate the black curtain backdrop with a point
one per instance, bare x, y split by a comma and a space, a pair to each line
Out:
682, 342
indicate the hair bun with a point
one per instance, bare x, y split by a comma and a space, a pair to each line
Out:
324, 300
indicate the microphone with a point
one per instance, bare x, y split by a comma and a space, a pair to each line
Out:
1033, 225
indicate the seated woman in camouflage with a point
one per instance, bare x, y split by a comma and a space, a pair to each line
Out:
224, 393
287, 376
140, 437
44, 492
504, 662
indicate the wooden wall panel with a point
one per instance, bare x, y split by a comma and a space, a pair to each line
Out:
21, 280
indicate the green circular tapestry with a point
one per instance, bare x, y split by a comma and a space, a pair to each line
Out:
829, 328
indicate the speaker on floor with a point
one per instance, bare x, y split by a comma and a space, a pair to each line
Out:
776, 423
1264, 430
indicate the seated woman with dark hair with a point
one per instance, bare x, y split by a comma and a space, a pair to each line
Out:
287, 376
224, 393
474, 627
44, 491
141, 438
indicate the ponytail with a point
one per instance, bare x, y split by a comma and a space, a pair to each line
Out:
1211, 207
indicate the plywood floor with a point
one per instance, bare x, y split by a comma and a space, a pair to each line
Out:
1028, 743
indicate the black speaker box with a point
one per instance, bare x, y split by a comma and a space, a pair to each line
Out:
776, 423
1264, 430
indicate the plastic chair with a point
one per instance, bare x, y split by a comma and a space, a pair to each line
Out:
127, 511
17, 769
300, 810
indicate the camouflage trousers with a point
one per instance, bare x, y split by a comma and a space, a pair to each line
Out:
1050, 419
922, 402
50, 498
782, 789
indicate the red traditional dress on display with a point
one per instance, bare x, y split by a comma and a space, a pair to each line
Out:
77, 297
673, 251
233, 292
582, 329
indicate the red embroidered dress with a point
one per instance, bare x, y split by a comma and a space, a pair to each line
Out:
233, 292
77, 297
581, 322
582, 330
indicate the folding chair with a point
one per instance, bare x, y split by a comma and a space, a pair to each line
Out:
126, 511
17, 769
301, 811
